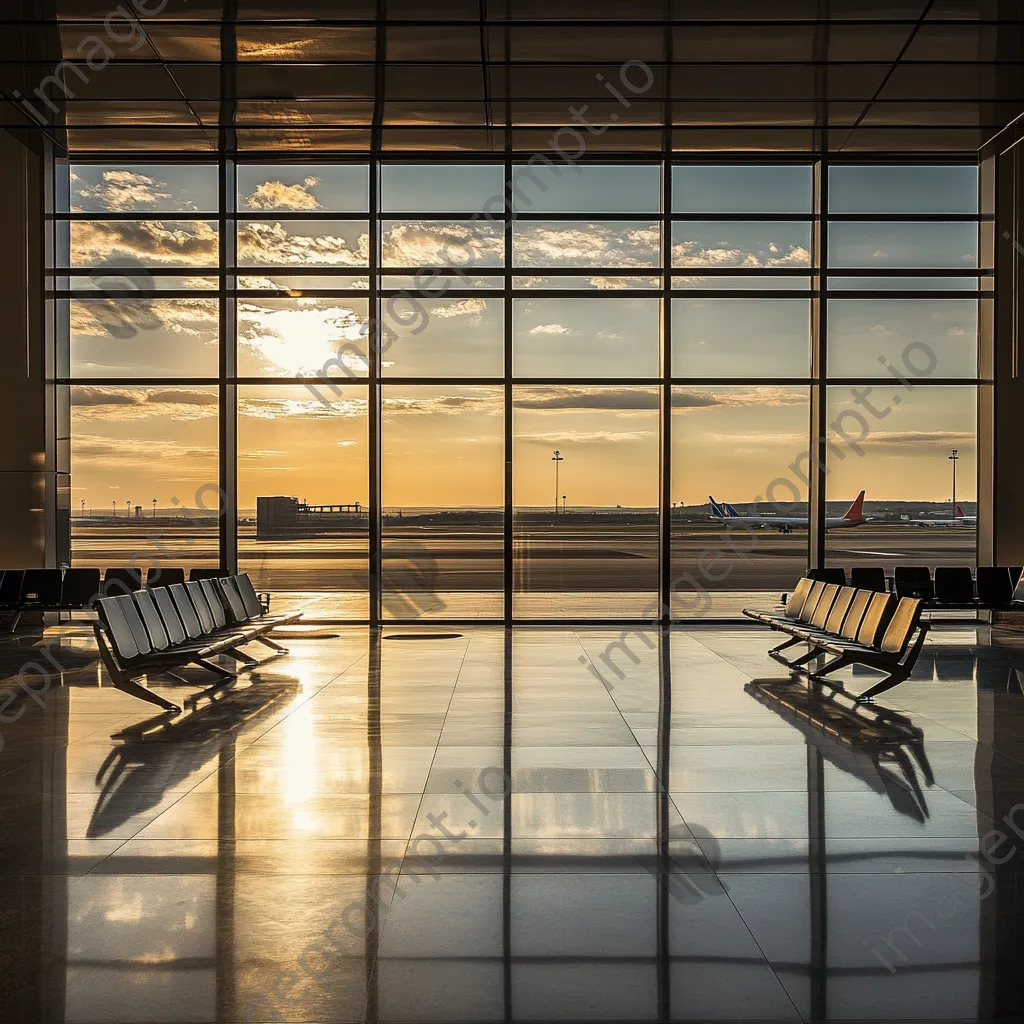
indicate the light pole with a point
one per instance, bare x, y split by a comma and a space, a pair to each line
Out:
129, 512
556, 459
113, 505
563, 504
83, 507
154, 508
953, 458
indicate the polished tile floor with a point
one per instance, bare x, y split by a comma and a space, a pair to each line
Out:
531, 824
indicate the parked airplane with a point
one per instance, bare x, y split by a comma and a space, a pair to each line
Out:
725, 513
959, 519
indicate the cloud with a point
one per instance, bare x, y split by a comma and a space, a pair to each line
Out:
552, 329
587, 245
273, 244
97, 450
956, 332
699, 254
171, 243
124, 403
561, 398
693, 400
464, 307
603, 437
348, 444
108, 318
121, 191
442, 244
486, 402
276, 195
311, 408
918, 439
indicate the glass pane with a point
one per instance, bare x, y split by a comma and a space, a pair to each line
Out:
288, 337
426, 284
303, 528
443, 337
144, 477
443, 487
444, 188
907, 245
911, 189
586, 337
122, 281
144, 337
595, 283
730, 445
462, 245
904, 284
744, 188
749, 244
597, 554
741, 337
294, 286
177, 243
743, 282
896, 443
303, 243
614, 244
280, 188
593, 189
920, 337
144, 188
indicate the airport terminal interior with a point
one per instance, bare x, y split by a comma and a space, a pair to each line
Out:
512, 511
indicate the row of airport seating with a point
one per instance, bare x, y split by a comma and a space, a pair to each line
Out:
68, 590
952, 587
159, 630
857, 626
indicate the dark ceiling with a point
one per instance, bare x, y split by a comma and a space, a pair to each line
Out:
852, 76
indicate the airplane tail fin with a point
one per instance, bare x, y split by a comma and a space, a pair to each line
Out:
856, 510
716, 509
959, 513
731, 512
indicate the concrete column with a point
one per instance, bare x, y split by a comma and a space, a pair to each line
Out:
27, 472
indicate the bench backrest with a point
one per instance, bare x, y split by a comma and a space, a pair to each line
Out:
186, 610
197, 575
994, 584
121, 637
164, 575
10, 587
796, 598
233, 600
913, 581
954, 585
836, 617
124, 581
151, 619
251, 599
855, 615
868, 577
813, 597
127, 616
214, 600
876, 618
834, 574
169, 614
40, 588
79, 588
901, 626
202, 606
1018, 591
828, 597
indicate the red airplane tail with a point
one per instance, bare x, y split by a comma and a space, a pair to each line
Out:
856, 511
960, 513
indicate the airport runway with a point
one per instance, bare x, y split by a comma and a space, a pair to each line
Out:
547, 559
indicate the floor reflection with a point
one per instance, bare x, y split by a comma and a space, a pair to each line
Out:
480, 828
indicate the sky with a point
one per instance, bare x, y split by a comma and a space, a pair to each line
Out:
443, 444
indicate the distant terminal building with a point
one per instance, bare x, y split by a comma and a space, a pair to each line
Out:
284, 517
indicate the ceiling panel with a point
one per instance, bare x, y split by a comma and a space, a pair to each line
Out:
394, 74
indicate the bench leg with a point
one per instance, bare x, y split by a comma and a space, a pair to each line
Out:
15, 621
246, 659
215, 669
271, 644
899, 672
813, 653
841, 661
130, 686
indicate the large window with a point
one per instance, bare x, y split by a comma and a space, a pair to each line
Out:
399, 390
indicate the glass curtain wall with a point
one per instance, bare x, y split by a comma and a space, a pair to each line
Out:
387, 397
